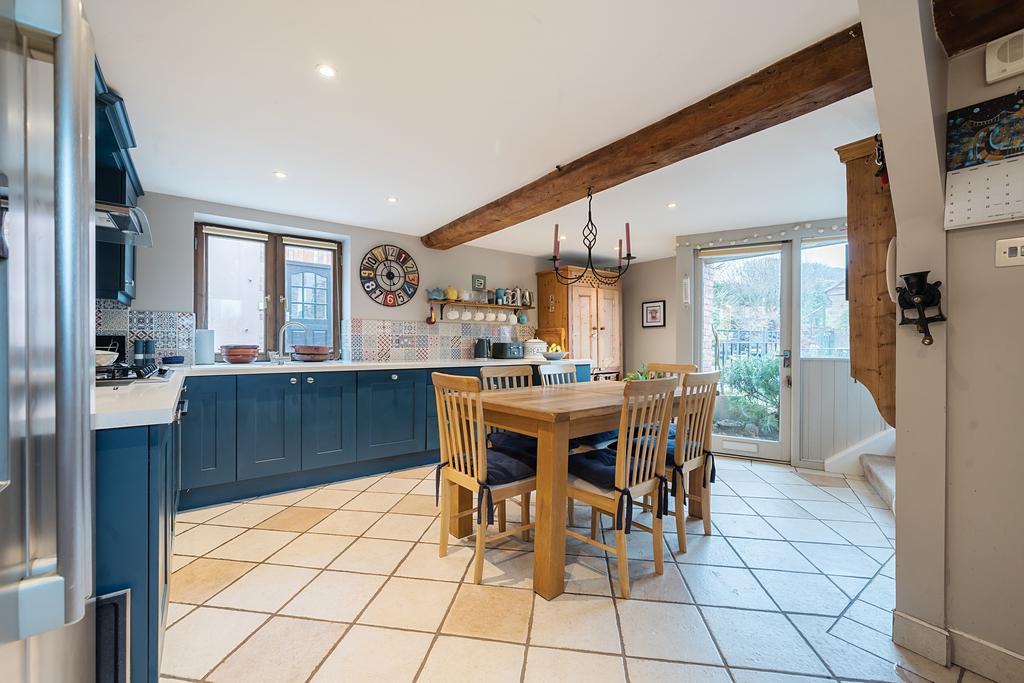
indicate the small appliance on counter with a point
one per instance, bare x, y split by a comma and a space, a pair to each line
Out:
482, 349
507, 350
534, 348
204, 347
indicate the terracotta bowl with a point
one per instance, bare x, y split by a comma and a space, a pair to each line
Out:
311, 357
239, 353
306, 349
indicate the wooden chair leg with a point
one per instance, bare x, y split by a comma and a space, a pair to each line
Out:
623, 562
501, 516
478, 560
658, 538
595, 522
570, 511
680, 513
705, 507
442, 549
525, 516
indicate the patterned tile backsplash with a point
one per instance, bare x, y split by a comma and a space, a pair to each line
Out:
362, 339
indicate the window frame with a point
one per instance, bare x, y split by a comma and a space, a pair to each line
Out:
276, 311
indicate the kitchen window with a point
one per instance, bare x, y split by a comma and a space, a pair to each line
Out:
249, 283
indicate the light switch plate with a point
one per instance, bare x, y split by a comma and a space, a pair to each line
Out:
1010, 252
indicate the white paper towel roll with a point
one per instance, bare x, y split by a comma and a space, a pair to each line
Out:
204, 347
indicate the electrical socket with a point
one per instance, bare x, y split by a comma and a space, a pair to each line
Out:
1010, 252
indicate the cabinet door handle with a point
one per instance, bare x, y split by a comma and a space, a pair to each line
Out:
309, 380
294, 380
394, 377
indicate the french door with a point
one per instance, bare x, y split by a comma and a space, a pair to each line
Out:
743, 330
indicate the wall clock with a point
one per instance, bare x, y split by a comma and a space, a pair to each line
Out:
389, 275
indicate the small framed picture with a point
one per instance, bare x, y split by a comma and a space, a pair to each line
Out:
479, 283
653, 314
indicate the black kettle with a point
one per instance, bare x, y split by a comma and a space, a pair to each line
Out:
482, 348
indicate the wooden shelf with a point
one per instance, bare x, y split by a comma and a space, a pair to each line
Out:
459, 302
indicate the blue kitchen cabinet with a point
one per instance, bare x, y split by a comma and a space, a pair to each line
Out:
392, 413
208, 446
433, 437
136, 499
329, 422
269, 426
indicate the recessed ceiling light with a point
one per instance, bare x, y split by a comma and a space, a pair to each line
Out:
326, 70
670, 205
280, 175
392, 200
561, 237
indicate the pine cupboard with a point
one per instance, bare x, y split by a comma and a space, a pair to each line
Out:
587, 314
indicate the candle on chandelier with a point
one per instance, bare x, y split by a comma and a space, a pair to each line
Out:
555, 248
620, 254
629, 250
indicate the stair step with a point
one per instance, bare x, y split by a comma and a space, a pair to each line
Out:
880, 471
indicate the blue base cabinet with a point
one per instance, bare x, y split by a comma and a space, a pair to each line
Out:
136, 499
209, 444
269, 424
329, 417
392, 413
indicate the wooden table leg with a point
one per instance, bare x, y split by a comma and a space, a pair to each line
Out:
549, 542
461, 527
693, 490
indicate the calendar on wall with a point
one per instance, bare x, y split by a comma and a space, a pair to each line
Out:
987, 193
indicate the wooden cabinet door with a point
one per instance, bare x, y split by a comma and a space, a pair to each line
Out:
269, 425
392, 413
609, 329
583, 322
208, 446
328, 419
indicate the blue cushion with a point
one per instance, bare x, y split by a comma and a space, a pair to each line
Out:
504, 469
596, 467
518, 446
594, 440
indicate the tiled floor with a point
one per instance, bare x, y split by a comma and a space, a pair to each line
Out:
343, 583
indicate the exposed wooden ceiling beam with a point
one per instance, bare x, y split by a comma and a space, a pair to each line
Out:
826, 72
963, 24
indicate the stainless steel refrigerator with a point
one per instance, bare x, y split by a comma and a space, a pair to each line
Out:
47, 620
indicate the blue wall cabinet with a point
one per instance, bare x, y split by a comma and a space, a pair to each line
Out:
135, 506
208, 432
392, 413
328, 419
269, 424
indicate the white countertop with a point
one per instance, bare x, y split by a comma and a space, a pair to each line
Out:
154, 402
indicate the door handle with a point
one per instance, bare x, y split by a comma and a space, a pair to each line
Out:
309, 380
293, 381
394, 377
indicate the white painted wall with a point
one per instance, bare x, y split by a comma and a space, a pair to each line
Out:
649, 281
164, 277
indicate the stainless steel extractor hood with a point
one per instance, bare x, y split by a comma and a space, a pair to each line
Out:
122, 225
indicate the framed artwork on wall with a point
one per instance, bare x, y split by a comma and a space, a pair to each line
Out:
653, 314
479, 283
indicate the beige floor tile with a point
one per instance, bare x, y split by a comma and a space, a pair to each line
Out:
651, 671
264, 589
288, 497
203, 578
373, 501
509, 568
588, 575
804, 593
593, 623
296, 518
204, 538
752, 676
645, 584
758, 640
284, 650
246, 515
255, 545
412, 604
175, 611
372, 556
433, 535
725, 587
200, 515
423, 563
393, 485
427, 487
971, 677
544, 665
822, 479
702, 549
416, 505
334, 596
399, 527
414, 473
312, 550
179, 561
328, 498
199, 641
664, 630
490, 612
360, 484
181, 527
373, 655
464, 659
346, 522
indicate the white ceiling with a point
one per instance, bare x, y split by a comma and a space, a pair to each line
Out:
448, 104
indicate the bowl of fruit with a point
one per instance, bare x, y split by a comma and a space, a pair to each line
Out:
554, 352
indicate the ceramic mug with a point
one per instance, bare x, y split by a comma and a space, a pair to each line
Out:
478, 316
451, 314
491, 317
502, 317
467, 315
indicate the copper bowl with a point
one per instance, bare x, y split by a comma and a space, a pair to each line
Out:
239, 353
310, 350
311, 357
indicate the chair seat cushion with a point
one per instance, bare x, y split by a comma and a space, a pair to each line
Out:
670, 449
599, 440
518, 446
596, 467
504, 469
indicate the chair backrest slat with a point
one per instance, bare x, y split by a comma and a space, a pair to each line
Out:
680, 370
557, 374
643, 430
696, 412
504, 377
460, 424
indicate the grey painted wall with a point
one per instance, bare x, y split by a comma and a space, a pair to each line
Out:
165, 272
649, 281
985, 595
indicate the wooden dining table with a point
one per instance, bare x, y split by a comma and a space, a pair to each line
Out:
554, 415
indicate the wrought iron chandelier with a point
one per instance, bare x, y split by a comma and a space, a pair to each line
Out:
589, 241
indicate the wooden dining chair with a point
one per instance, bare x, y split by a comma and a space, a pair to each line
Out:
609, 481
680, 370
504, 378
557, 374
689, 448
467, 463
